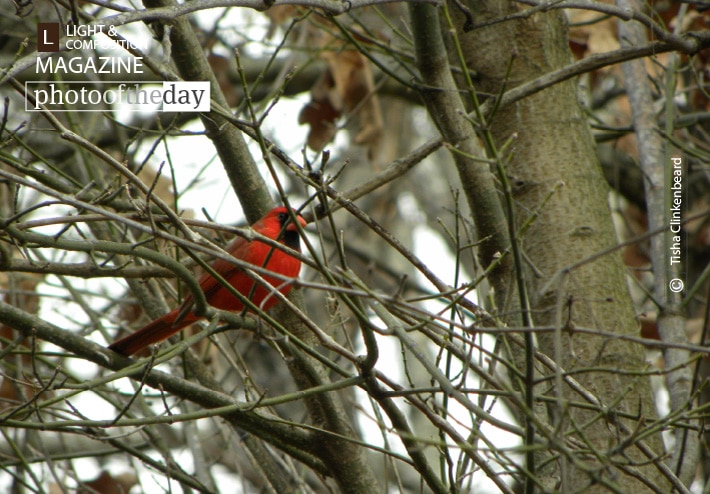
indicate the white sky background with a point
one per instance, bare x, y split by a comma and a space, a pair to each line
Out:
214, 193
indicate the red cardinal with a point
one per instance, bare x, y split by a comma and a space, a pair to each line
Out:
277, 225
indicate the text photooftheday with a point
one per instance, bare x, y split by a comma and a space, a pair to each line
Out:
175, 96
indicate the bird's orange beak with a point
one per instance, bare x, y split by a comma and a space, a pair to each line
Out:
292, 226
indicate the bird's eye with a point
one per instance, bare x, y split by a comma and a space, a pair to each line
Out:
283, 217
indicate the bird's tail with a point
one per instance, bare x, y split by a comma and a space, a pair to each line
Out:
156, 331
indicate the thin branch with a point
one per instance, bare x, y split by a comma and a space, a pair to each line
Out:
624, 14
85, 270
590, 63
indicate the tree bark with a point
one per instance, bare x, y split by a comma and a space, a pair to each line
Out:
578, 288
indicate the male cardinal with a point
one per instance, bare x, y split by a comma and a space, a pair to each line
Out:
276, 225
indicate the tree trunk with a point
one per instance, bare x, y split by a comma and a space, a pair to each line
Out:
574, 288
